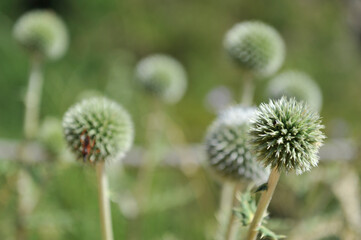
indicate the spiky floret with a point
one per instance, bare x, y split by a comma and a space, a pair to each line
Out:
98, 129
42, 32
296, 84
255, 46
163, 76
286, 134
227, 146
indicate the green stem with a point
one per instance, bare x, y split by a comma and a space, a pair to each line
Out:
32, 106
153, 155
263, 204
23, 208
225, 210
104, 203
248, 90
32, 99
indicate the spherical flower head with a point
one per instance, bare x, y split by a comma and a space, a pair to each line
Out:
42, 32
255, 46
228, 149
162, 76
296, 84
98, 129
286, 134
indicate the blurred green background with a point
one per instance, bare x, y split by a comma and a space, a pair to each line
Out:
107, 38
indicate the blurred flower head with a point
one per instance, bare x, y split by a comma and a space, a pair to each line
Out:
296, 84
98, 129
42, 32
162, 76
227, 146
255, 46
286, 134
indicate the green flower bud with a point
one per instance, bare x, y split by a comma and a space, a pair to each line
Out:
296, 84
162, 76
286, 134
98, 129
255, 46
228, 149
42, 32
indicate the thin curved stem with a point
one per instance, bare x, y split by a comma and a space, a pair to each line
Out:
263, 204
104, 203
32, 99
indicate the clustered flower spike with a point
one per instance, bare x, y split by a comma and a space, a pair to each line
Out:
98, 129
255, 46
42, 32
228, 149
286, 134
162, 76
296, 84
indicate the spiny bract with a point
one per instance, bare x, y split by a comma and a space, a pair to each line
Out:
98, 129
255, 46
296, 84
162, 76
42, 32
286, 134
227, 146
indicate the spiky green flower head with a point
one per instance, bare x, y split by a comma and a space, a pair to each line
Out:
296, 84
286, 134
162, 76
255, 46
43, 33
228, 149
98, 129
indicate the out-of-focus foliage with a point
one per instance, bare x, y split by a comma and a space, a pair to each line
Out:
107, 39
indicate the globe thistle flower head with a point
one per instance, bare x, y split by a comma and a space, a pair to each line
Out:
162, 76
255, 46
98, 129
42, 32
286, 134
296, 84
227, 146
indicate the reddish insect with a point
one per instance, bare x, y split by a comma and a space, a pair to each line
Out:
87, 144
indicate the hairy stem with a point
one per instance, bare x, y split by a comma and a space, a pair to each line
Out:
263, 204
32, 99
104, 203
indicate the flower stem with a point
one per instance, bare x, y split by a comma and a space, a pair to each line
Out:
248, 90
104, 204
154, 154
32, 106
32, 99
263, 204
225, 210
